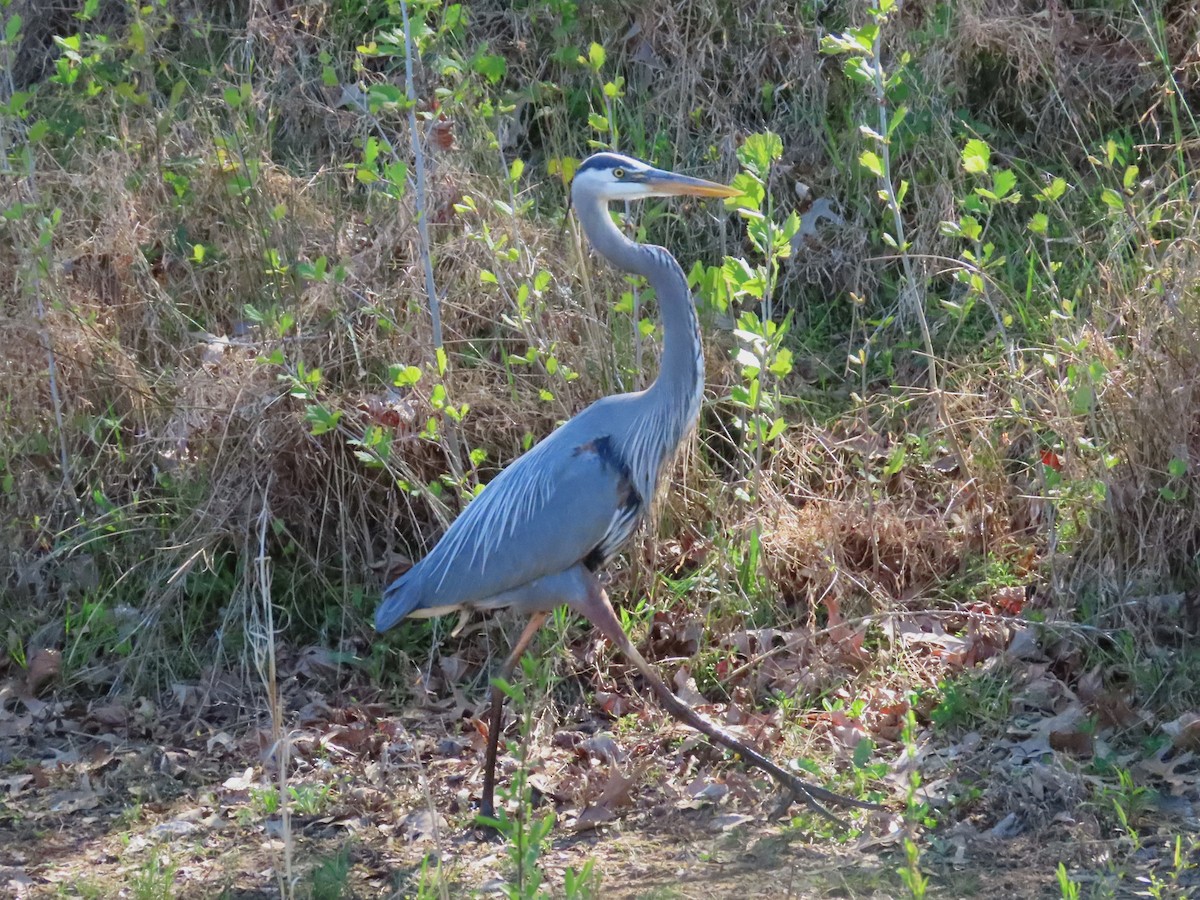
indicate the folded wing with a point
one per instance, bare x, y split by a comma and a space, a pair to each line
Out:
545, 513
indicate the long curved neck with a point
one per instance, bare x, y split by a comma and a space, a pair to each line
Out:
680, 383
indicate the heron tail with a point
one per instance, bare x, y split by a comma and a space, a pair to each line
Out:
399, 599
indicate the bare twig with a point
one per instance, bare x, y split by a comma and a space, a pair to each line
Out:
262, 636
435, 306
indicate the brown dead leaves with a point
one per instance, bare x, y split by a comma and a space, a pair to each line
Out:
44, 667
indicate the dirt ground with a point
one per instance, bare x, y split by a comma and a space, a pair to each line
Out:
116, 798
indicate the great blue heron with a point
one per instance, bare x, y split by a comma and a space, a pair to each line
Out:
536, 536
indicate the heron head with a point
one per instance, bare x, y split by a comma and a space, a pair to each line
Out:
611, 176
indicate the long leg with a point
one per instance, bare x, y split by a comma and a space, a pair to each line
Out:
597, 610
486, 802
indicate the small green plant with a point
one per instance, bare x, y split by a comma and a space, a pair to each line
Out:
130, 816
309, 799
264, 800
1183, 862
972, 699
1067, 888
740, 284
82, 889
154, 879
863, 63
910, 873
916, 812
524, 832
1130, 802
582, 884
863, 770
329, 878
433, 883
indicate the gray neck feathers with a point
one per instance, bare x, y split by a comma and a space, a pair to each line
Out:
673, 400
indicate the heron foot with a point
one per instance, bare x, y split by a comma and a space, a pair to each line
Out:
487, 828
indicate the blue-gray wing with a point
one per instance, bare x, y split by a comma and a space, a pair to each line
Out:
558, 505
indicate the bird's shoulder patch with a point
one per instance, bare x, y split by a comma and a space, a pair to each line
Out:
602, 448
630, 504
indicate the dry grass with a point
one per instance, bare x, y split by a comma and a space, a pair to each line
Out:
171, 424
193, 485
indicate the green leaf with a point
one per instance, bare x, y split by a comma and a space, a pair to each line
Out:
383, 94
562, 166
1003, 181
397, 175
1177, 467
1112, 200
598, 122
865, 36
976, 156
371, 151
1039, 223
752, 192
137, 36
321, 420
490, 66
859, 70
870, 161
452, 17
404, 376
759, 150
970, 228
741, 279
12, 29
1083, 399
596, 56
781, 365
896, 460
1052, 191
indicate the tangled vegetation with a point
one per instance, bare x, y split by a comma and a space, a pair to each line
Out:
289, 283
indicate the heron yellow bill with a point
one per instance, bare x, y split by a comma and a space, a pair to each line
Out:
672, 185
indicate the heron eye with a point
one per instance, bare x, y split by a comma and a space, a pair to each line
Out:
618, 173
